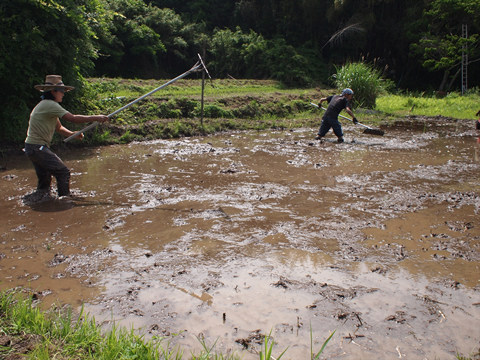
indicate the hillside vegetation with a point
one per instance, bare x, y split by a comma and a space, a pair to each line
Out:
418, 46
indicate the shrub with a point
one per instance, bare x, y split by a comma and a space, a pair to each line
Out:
365, 81
127, 137
187, 106
250, 55
214, 111
167, 110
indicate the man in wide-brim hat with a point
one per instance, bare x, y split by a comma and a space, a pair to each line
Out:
44, 121
53, 82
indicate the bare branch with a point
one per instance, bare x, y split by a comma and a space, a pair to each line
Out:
460, 63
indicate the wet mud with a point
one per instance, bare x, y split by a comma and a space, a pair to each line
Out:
228, 237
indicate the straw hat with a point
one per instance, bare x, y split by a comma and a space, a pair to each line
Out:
53, 82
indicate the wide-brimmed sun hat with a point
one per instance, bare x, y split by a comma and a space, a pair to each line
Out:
53, 82
347, 91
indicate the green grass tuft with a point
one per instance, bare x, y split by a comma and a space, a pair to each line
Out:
453, 105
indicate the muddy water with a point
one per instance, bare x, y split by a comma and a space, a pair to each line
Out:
232, 236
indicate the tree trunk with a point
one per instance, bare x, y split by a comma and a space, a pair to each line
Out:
453, 79
444, 81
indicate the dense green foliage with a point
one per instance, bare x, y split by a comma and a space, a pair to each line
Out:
250, 55
148, 42
39, 38
441, 45
300, 43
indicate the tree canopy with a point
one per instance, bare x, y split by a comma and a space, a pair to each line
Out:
39, 38
442, 44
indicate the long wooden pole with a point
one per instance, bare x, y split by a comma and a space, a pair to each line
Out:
198, 65
203, 88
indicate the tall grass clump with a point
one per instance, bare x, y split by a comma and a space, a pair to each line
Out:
365, 81
58, 334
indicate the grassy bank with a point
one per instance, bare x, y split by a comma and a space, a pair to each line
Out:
30, 333
453, 105
260, 99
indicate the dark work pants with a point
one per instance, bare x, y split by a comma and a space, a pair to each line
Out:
328, 123
46, 164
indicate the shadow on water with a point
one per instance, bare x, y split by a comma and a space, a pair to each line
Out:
43, 202
52, 206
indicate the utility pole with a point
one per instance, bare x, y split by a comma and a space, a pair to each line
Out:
464, 59
203, 83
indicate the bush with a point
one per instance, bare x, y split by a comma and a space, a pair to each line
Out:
214, 111
365, 81
250, 55
29, 52
186, 105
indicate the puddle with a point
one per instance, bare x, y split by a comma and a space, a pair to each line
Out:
232, 236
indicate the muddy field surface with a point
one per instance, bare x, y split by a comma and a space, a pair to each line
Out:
228, 237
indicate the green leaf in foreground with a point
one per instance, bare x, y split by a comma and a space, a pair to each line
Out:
313, 356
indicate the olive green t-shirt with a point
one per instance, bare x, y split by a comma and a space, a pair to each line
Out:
43, 120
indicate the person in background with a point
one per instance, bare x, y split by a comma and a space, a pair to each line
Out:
44, 121
336, 103
478, 121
